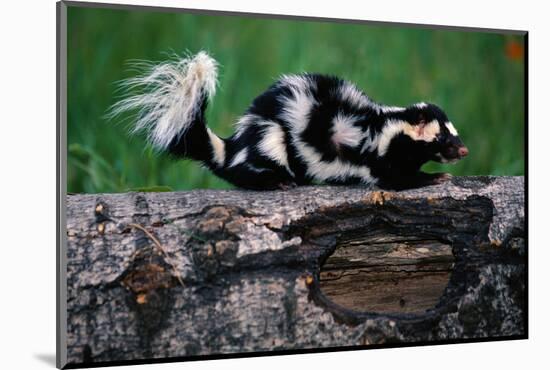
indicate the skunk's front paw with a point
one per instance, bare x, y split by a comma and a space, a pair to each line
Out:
440, 178
287, 185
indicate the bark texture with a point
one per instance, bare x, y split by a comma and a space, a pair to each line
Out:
205, 272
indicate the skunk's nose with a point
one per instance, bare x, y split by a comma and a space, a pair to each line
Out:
462, 151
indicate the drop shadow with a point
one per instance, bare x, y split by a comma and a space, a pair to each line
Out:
47, 358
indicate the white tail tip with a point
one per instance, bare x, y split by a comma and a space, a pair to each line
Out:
168, 96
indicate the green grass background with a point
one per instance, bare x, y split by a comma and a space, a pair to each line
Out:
469, 74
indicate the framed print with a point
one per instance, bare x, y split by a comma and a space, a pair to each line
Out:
235, 184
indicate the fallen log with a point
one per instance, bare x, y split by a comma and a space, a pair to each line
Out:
210, 272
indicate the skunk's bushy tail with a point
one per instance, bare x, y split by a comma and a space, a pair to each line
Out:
170, 99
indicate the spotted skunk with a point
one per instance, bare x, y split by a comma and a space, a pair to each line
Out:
304, 129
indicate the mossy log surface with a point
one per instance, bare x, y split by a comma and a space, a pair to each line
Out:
209, 272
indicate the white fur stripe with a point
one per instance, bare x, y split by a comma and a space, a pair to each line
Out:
297, 107
240, 157
391, 109
369, 143
427, 132
218, 147
392, 128
389, 131
337, 169
451, 129
345, 133
273, 143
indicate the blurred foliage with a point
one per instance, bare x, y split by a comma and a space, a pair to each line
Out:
478, 79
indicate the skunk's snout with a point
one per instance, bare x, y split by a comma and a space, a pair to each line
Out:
454, 152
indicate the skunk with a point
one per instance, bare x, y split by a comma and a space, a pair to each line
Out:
305, 128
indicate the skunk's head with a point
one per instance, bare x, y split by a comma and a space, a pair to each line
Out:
442, 141
420, 133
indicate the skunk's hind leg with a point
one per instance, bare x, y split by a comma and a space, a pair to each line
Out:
248, 176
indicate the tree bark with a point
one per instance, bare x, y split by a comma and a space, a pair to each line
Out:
209, 272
